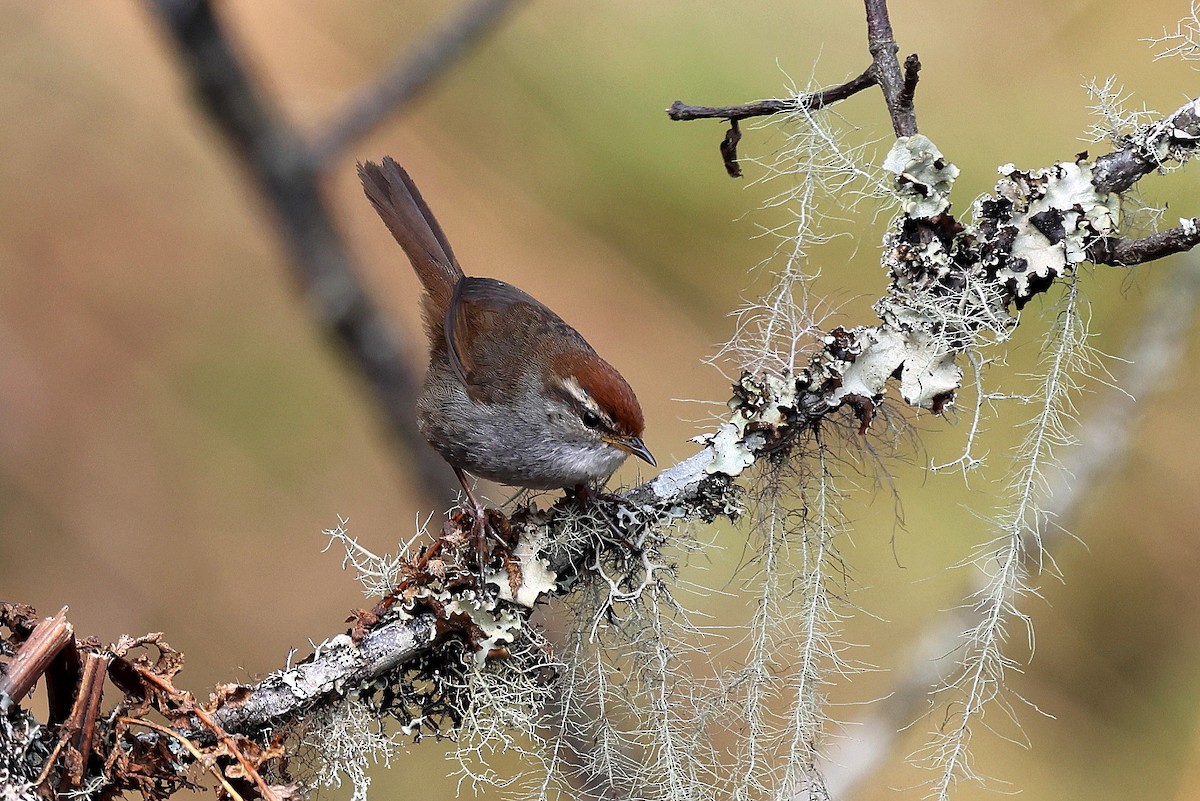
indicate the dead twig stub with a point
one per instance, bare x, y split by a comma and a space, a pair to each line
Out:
33, 658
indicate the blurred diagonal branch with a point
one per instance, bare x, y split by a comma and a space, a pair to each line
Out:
409, 76
1156, 351
287, 171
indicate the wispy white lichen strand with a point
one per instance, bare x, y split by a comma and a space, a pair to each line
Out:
780, 711
1008, 561
755, 682
347, 740
1184, 41
1115, 120
675, 770
377, 573
817, 170
624, 721
818, 653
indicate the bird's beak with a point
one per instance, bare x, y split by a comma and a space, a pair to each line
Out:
634, 446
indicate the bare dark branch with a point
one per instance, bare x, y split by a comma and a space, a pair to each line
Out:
409, 76
1128, 252
896, 86
729, 150
80, 728
680, 111
899, 88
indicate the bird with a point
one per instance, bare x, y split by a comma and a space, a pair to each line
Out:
513, 393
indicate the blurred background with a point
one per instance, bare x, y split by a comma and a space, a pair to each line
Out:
175, 433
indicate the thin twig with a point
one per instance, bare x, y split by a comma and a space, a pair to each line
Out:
191, 749
682, 112
729, 150
81, 725
408, 77
899, 88
908, 90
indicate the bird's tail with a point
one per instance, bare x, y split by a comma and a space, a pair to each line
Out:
403, 210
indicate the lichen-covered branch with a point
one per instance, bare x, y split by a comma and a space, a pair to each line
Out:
1155, 146
337, 663
811, 101
454, 627
952, 284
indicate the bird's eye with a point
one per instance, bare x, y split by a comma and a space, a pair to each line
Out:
590, 419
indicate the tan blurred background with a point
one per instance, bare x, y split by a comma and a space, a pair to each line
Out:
174, 435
